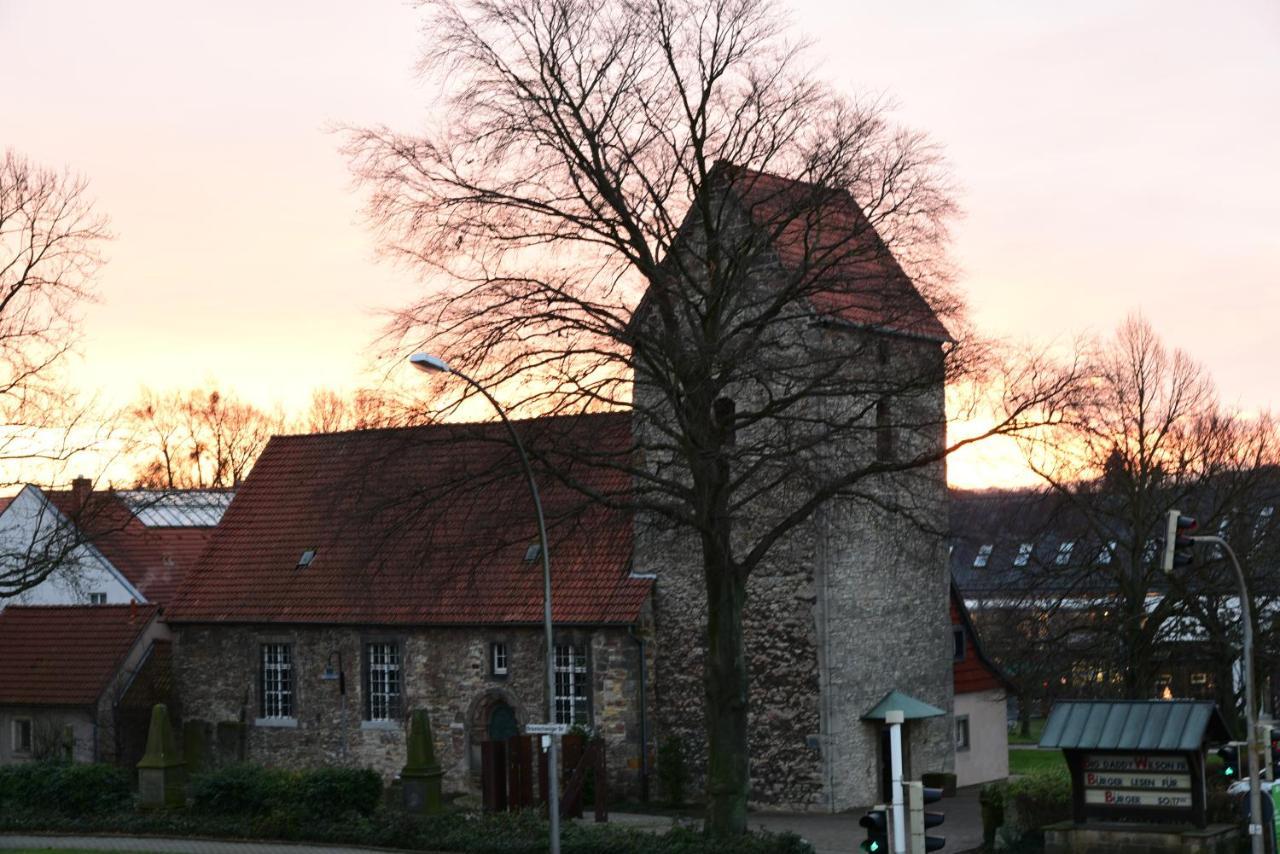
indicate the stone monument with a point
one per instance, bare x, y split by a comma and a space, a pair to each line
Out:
162, 774
420, 778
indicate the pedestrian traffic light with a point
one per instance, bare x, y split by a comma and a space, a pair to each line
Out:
1230, 756
1177, 540
876, 821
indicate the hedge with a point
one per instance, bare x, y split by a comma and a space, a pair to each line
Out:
1025, 805
251, 790
66, 788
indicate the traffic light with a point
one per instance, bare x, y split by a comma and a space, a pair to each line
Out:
1230, 756
1177, 540
930, 819
876, 821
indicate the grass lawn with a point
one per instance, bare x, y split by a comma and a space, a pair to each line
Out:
1037, 727
1031, 761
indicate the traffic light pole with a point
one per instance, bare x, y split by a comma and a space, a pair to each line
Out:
894, 718
1251, 733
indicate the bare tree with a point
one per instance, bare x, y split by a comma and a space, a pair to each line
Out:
362, 410
50, 240
196, 439
1147, 434
651, 205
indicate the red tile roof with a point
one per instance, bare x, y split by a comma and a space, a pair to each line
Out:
822, 234
153, 559
65, 655
974, 672
421, 525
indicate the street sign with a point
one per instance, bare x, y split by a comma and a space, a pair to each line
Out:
546, 729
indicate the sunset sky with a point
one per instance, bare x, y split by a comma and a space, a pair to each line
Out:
1113, 156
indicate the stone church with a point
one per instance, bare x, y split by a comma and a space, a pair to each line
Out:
358, 576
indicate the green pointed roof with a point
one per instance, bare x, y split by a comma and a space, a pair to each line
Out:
911, 708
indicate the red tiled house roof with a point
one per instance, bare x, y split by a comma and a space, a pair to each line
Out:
65, 655
823, 238
421, 525
974, 672
153, 559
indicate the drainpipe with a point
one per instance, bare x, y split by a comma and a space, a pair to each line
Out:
644, 721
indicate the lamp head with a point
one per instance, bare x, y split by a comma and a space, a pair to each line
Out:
429, 363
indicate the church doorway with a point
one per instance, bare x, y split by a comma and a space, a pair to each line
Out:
502, 722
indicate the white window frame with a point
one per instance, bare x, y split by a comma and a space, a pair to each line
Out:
498, 661
963, 734
571, 700
384, 680
1024, 554
983, 556
97, 598
1106, 553
276, 661
16, 741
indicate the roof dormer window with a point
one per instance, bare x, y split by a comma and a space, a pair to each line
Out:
1024, 555
983, 556
307, 556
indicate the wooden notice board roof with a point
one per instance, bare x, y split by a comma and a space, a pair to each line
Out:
1175, 725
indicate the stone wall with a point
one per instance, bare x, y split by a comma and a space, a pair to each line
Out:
848, 606
445, 670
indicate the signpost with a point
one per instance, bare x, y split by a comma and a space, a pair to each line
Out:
546, 729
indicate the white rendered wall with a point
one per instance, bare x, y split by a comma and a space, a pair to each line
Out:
30, 520
988, 755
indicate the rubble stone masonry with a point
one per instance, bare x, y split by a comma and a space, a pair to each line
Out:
445, 670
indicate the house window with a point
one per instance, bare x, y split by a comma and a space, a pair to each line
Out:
277, 681
22, 735
498, 658
884, 432
957, 642
983, 556
1199, 678
571, 684
382, 681
962, 732
1064, 553
97, 598
1024, 555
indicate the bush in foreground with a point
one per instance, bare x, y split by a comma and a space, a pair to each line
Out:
65, 788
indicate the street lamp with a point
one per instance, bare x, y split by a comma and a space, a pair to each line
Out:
1178, 530
434, 364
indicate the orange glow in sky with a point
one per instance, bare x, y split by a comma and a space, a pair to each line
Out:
1112, 156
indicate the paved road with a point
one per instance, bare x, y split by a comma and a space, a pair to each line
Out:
840, 834
174, 846
829, 834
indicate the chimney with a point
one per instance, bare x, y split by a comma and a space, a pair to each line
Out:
80, 489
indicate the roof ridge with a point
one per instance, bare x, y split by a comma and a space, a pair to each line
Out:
534, 419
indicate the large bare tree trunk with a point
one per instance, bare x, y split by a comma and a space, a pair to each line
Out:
726, 706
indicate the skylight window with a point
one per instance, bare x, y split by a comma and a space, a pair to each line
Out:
307, 556
1264, 518
1106, 553
1064, 553
533, 552
1024, 555
983, 555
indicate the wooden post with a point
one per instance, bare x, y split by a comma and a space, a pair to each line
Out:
602, 781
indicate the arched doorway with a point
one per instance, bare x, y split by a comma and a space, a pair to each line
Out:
502, 722
494, 715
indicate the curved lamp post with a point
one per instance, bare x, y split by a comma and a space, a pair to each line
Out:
434, 364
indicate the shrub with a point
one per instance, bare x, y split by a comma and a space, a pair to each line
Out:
333, 792
1033, 801
240, 790
672, 774
281, 796
66, 788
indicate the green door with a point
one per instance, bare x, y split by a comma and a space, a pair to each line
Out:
502, 723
